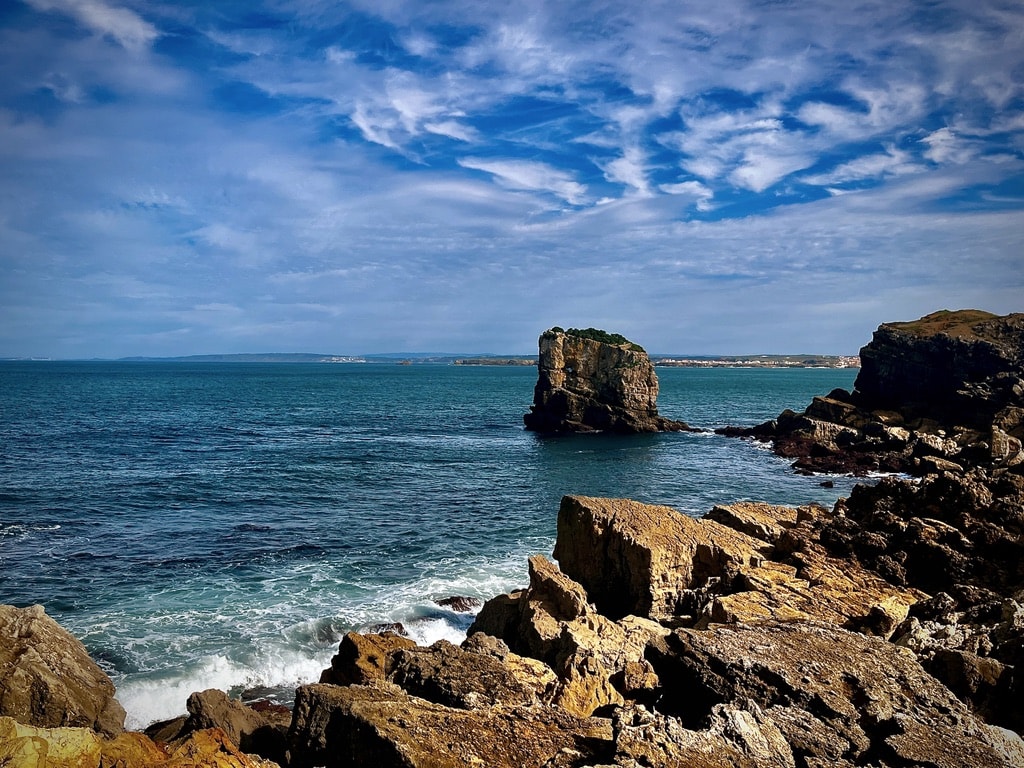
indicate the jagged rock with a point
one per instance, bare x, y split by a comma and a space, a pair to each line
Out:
47, 678
738, 736
253, 732
587, 385
766, 522
641, 559
552, 621
210, 748
362, 659
943, 531
869, 700
449, 675
342, 727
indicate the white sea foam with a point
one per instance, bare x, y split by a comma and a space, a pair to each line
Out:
150, 698
288, 642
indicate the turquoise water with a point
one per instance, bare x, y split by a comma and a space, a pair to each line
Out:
222, 525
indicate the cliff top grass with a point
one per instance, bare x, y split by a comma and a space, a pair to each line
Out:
596, 334
958, 324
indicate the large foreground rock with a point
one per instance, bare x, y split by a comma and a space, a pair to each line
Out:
586, 384
24, 746
47, 678
382, 726
838, 697
651, 561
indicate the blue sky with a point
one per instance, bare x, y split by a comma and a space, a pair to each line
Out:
730, 177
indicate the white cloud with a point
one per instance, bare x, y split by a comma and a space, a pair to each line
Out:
761, 168
530, 176
629, 169
123, 25
453, 130
693, 189
944, 146
892, 162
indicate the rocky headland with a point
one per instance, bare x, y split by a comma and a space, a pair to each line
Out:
886, 632
945, 392
593, 381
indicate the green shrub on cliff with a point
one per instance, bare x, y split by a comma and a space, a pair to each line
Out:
596, 334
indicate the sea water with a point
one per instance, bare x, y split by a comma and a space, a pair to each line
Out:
204, 525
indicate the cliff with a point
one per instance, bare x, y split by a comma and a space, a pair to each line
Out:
592, 381
942, 392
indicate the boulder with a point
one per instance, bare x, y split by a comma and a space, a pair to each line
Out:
642, 559
830, 692
362, 659
594, 381
447, 674
253, 732
47, 678
765, 522
381, 725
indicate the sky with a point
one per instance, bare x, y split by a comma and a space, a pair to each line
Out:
734, 177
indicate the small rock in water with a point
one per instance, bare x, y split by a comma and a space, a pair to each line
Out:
389, 626
827, 484
459, 604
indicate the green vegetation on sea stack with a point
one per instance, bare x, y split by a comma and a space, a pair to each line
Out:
596, 334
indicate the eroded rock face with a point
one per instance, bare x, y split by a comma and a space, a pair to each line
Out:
954, 367
47, 678
362, 659
585, 385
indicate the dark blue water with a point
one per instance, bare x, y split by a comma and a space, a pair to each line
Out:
221, 525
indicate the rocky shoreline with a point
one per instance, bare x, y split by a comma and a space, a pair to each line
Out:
887, 631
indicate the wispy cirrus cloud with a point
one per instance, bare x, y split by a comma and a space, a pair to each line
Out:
530, 176
120, 24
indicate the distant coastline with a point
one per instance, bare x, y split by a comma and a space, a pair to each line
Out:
667, 361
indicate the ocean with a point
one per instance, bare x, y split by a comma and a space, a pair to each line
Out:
222, 525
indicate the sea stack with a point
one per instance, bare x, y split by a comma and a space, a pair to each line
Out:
594, 381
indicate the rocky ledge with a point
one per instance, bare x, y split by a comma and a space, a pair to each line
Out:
945, 392
592, 381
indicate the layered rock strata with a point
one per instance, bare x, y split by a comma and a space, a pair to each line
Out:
590, 385
945, 392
